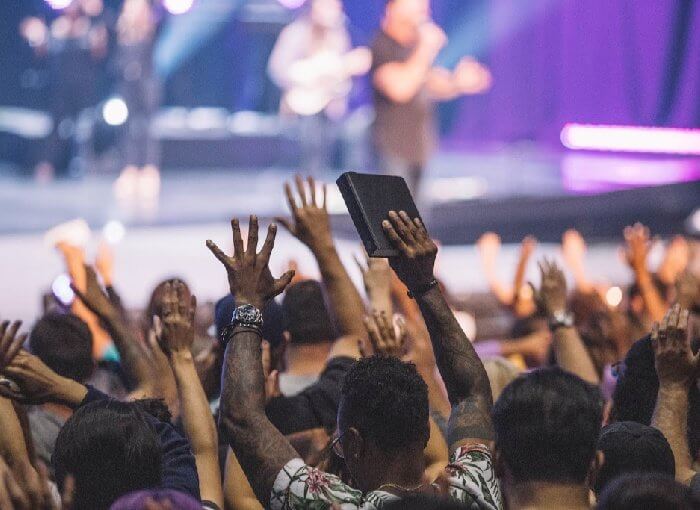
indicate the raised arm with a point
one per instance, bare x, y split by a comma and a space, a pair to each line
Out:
677, 369
573, 249
311, 225
467, 384
259, 447
132, 354
469, 77
570, 352
376, 275
638, 245
175, 329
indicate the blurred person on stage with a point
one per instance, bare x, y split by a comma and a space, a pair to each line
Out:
139, 87
406, 82
74, 42
313, 63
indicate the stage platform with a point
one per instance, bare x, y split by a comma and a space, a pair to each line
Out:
513, 190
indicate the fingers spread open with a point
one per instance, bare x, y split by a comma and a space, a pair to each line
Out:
252, 247
238, 248
312, 191
290, 199
220, 255
266, 252
283, 282
300, 189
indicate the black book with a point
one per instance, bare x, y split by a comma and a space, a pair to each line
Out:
369, 198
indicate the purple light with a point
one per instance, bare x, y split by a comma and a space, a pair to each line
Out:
178, 6
59, 4
292, 4
631, 139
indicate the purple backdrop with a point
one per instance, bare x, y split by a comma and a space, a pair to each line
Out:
587, 61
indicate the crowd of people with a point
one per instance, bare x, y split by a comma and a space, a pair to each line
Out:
319, 395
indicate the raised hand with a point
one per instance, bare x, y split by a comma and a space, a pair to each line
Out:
675, 361
638, 244
310, 221
387, 338
10, 341
94, 298
104, 263
175, 325
573, 248
415, 264
249, 276
551, 296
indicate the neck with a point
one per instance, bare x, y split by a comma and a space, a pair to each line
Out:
403, 33
307, 359
544, 495
400, 474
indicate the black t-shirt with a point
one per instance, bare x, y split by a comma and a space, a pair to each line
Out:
404, 130
316, 406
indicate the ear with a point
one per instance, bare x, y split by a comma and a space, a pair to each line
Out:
354, 444
595, 469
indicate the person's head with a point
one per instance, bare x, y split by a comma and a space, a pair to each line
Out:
407, 12
629, 447
635, 301
648, 490
140, 500
110, 449
382, 416
308, 319
637, 386
426, 502
64, 343
326, 13
547, 424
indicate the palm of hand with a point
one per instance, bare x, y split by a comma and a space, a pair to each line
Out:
675, 361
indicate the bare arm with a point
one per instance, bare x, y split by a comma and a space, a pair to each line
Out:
132, 354
311, 225
238, 493
489, 245
570, 352
677, 369
176, 335
376, 275
637, 239
260, 448
467, 384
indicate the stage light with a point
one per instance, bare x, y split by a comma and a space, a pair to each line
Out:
115, 111
113, 231
631, 139
292, 4
693, 223
59, 4
61, 289
177, 6
613, 296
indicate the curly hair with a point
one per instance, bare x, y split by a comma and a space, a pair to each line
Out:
387, 401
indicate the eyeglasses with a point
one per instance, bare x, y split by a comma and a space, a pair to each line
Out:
336, 445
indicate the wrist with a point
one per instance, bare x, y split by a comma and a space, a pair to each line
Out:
421, 289
181, 356
242, 300
675, 386
68, 392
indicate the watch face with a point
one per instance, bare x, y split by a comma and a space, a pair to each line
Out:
247, 314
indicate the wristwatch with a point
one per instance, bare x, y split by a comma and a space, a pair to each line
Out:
244, 316
561, 319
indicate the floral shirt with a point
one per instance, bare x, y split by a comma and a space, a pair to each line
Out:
470, 473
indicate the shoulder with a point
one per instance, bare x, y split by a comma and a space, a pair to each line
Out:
301, 486
472, 477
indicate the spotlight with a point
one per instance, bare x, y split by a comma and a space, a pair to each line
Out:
115, 111
292, 4
59, 4
61, 289
613, 296
178, 6
113, 231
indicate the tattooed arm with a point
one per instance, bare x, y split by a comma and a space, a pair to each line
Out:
260, 448
468, 387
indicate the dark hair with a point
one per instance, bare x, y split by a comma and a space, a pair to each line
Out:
631, 447
308, 319
649, 490
138, 500
64, 343
637, 387
547, 424
387, 401
110, 449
